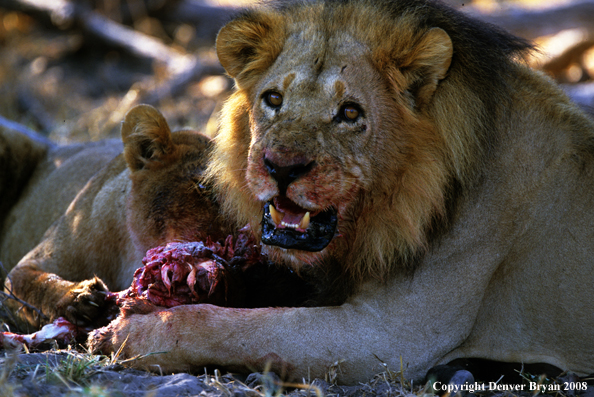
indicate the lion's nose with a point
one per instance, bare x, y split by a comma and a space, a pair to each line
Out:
285, 175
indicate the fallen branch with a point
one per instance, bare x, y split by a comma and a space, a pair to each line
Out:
181, 68
133, 41
64, 13
535, 23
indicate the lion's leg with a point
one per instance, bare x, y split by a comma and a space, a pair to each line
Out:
81, 303
293, 342
353, 339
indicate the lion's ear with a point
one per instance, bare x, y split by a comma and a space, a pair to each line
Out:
249, 44
146, 136
426, 63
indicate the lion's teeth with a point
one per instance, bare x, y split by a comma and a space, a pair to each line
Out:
277, 217
304, 221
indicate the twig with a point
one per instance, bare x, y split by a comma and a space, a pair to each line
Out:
11, 295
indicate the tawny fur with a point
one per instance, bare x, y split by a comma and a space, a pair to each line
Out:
467, 168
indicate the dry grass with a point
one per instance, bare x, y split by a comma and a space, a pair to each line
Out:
74, 373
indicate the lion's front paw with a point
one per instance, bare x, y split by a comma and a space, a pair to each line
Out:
86, 304
109, 339
103, 340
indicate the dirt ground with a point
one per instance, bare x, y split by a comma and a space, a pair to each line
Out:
69, 373
67, 80
32, 377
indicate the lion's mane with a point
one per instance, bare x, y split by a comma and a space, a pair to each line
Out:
441, 144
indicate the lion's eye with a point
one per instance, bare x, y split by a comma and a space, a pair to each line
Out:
349, 112
273, 99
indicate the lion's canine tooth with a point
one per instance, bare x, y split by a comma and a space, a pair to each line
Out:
277, 217
304, 221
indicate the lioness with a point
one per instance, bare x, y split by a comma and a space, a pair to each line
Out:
95, 209
446, 190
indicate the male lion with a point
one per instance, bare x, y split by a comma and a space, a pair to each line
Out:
442, 190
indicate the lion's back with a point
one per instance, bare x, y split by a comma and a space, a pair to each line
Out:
59, 175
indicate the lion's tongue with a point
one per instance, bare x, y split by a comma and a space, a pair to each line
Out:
287, 206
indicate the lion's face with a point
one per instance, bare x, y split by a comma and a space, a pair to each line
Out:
313, 141
326, 142
167, 201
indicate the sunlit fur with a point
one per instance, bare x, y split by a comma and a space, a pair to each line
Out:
438, 123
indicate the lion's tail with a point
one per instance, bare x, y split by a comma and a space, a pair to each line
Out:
21, 150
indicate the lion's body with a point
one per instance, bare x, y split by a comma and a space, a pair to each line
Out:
48, 196
457, 186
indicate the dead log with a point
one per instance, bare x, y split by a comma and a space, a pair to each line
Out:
571, 55
181, 68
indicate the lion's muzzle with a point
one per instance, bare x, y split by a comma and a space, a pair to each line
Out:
285, 175
285, 223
